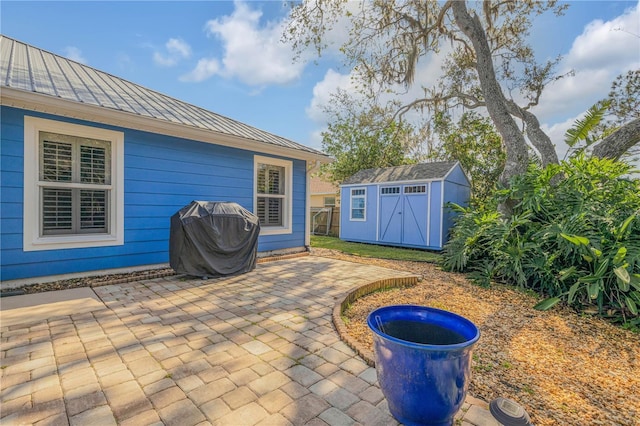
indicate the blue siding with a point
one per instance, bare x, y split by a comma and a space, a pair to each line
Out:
406, 220
161, 175
457, 176
352, 230
435, 210
456, 190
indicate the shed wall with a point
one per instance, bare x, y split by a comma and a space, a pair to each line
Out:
435, 216
162, 174
357, 230
368, 231
456, 190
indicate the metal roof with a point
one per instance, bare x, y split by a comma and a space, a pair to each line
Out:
30, 69
412, 172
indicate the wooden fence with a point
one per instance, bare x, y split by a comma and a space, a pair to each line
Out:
319, 218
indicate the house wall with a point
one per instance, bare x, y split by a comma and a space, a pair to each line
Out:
161, 175
317, 200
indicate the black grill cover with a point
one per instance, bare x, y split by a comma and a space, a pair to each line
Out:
212, 239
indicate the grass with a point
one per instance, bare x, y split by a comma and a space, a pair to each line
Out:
375, 251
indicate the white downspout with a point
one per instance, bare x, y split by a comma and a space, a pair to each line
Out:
311, 168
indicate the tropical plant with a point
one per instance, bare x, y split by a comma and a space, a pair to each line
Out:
583, 129
575, 239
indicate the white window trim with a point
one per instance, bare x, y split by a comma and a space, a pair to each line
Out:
288, 194
351, 218
32, 238
324, 201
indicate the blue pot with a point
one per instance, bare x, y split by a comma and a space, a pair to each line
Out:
423, 361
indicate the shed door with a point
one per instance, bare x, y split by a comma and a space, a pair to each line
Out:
414, 215
403, 215
390, 215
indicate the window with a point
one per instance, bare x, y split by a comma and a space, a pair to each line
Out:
417, 189
73, 197
390, 190
358, 204
329, 201
273, 194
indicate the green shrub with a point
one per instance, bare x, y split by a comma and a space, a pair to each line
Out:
574, 236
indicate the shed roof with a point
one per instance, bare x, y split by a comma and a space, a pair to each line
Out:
30, 69
411, 172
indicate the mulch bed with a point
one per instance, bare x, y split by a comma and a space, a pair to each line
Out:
564, 368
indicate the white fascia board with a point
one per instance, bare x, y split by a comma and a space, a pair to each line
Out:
96, 114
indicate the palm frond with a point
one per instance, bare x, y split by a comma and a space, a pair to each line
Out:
582, 127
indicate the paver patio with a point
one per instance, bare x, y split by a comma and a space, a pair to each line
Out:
255, 349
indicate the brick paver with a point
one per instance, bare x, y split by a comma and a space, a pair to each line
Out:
258, 348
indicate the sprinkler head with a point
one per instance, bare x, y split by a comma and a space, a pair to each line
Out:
509, 413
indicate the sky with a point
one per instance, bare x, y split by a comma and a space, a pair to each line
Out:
228, 57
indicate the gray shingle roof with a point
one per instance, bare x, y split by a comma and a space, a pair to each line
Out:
412, 172
28, 68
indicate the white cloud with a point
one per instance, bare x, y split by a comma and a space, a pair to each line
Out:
603, 51
75, 54
203, 70
572, 95
315, 138
322, 91
556, 134
427, 73
253, 51
612, 44
176, 50
178, 47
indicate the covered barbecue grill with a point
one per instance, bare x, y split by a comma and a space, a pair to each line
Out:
212, 239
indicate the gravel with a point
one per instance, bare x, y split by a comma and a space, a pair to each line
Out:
564, 368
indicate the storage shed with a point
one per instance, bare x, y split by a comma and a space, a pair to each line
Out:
404, 205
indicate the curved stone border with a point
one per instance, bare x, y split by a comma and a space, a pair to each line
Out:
357, 293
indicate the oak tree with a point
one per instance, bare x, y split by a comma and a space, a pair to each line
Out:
489, 63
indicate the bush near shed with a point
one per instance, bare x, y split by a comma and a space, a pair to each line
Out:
574, 237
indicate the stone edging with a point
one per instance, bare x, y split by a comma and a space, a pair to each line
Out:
355, 294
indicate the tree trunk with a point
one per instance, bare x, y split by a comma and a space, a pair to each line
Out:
539, 139
515, 144
618, 142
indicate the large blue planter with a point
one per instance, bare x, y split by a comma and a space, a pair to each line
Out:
423, 361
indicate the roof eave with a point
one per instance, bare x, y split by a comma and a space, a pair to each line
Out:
51, 105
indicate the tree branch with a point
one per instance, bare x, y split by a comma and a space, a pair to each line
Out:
619, 142
539, 139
